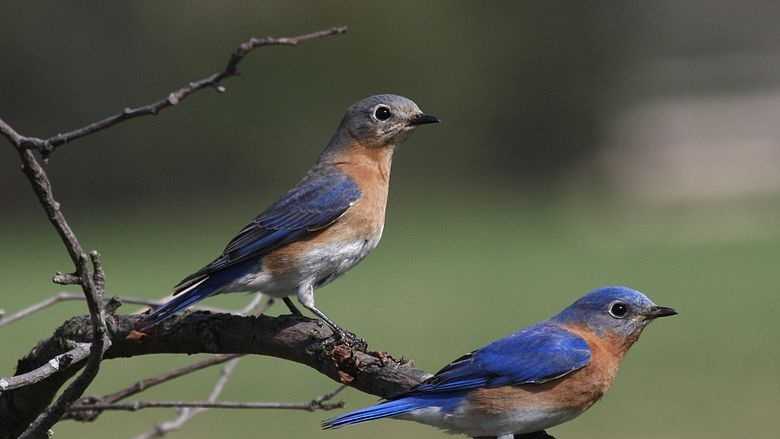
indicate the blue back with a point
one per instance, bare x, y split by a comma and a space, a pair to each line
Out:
318, 200
536, 354
533, 355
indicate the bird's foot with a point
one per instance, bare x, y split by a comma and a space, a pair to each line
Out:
350, 339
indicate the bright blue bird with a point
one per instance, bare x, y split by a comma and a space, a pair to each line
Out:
536, 378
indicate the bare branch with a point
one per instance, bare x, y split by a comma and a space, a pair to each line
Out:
141, 386
62, 361
254, 306
187, 413
100, 343
47, 146
135, 406
32, 309
65, 296
93, 293
293, 338
88, 270
190, 411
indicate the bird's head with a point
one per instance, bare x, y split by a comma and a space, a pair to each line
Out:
383, 120
614, 312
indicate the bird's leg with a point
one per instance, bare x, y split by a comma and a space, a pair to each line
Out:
293, 309
306, 297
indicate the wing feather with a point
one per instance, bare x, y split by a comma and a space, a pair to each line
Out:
319, 199
535, 355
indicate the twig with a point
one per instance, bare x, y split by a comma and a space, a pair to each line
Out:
92, 279
254, 306
191, 409
62, 361
186, 414
65, 296
91, 283
82, 350
135, 406
143, 385
47, 146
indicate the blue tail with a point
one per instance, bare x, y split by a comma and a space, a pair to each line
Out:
394, 408
208, 287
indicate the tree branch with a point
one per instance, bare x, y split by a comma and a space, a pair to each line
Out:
66, 296
135, 406
255, 306
145, 384
62, 361
92, 283
47, 146
293, 338
30, 416
186, 414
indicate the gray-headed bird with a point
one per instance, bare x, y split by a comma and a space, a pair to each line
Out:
325, 225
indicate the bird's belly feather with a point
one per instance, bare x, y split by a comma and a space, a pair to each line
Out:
467, 421
316, 265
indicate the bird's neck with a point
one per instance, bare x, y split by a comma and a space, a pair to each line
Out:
351, 154
615, 344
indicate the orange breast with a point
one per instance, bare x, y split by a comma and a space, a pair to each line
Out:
576, 391
363, 221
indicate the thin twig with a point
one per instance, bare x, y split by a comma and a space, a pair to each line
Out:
47, 146
134, 406
62, 361
91, 285
186, 414
143, 385
66, 296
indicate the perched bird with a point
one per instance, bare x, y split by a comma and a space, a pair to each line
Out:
536, 378
322, 227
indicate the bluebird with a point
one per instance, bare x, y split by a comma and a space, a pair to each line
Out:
536, 378
325, 225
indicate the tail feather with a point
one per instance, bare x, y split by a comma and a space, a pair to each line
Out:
447, 402
195, 292
178, 303
382, 410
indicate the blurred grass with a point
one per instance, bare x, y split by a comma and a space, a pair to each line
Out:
449, 277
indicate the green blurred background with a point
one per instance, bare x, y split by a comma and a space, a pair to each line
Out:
584, 144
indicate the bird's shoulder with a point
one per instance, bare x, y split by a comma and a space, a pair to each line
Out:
320, 198
323, 195
534, 355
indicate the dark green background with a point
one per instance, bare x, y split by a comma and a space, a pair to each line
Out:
485, 233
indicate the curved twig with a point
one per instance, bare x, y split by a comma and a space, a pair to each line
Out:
47, 146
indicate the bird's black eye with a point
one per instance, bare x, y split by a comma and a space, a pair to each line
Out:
382, 113
618, 310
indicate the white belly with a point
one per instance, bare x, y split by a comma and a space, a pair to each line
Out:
464, 421
318, 267
326, 263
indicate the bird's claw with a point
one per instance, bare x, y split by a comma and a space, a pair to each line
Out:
350, 339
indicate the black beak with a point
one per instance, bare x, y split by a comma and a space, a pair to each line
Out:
661, 311
422, 119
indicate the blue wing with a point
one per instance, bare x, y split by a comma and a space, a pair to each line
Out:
534, 355
318, 200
